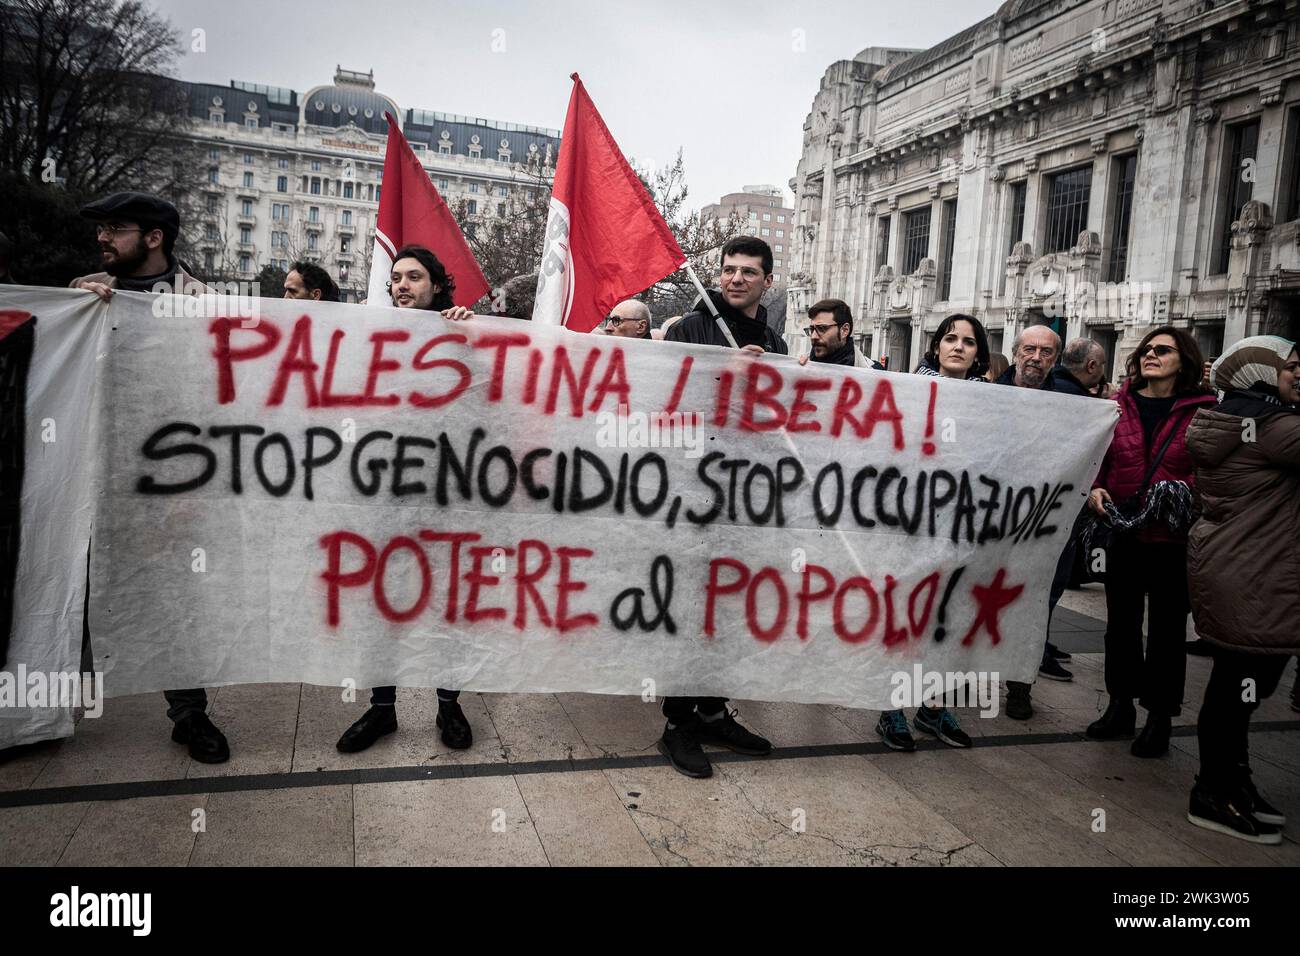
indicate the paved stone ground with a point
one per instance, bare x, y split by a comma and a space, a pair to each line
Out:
564, 779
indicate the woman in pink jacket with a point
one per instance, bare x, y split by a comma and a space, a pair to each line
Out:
1144, 492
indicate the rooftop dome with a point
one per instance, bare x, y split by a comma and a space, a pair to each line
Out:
350, 99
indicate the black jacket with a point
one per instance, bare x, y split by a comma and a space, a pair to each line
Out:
844, 355
698, 328
1063, 381
1009, 378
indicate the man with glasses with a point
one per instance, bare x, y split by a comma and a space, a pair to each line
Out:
629, 319
745, 275
830, 327
136, 234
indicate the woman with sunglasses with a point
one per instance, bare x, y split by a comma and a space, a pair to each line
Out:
1147, 467
959, 349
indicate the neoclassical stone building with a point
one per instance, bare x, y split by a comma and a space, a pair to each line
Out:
1098, 165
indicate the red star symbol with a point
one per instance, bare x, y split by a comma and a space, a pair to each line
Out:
991, 600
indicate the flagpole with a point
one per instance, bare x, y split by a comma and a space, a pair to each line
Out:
708, 304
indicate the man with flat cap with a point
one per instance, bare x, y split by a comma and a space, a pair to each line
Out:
136, 234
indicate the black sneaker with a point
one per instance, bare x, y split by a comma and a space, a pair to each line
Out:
726, 732
1118, 722
683, 751
1020, 705
1052, 670
892, 727
942, 724
1056, 653
456, 732
373, 724
1259, 808
1226, 815
207, 744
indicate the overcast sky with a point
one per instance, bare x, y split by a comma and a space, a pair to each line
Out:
727, 83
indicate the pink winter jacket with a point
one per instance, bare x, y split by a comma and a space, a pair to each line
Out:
1128, 457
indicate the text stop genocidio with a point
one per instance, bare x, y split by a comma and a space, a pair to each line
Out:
758, 397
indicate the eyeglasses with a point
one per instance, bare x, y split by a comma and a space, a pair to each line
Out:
618, 320
110, 231
819, 329
1160, 350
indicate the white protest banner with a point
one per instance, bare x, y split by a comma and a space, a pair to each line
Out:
47, 419
333, 493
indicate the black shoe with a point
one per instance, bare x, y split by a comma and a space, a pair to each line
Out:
1020, 705
373, 724
1259, 808
1226, 815
207, 744
942, 724
1119, 721
456, 733
1052, 670
892, 727
726, 732
1199, 647
1056, 653
683, 751
1154, 739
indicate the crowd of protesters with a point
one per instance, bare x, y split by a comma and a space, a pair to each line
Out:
1200, 486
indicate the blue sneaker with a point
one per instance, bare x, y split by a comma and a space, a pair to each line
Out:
892, 728
942, 724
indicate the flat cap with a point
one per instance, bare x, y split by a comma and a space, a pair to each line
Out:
136, 207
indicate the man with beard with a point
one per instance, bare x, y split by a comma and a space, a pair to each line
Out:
137, 233
746, 275
830, 326
418, 280
306, 280
1033, 354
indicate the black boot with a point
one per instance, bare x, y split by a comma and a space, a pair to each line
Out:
682, 748
207, 744
1020, 705
373, 724
1118, 721
1154, 739
456, 732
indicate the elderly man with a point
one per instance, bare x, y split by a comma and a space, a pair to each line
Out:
629, 319
1083, 365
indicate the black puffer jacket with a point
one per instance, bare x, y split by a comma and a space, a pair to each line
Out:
699, 328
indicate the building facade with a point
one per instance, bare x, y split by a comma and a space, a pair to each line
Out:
767, 216
299, 176
1095, 165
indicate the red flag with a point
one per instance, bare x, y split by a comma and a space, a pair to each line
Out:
412, 213
605, 239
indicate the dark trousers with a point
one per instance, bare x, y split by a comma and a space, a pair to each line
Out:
1150, 577
682, 710
1060, 578
183, 703
1224, 722
387, 696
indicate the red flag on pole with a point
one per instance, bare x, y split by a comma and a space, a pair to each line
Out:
412, 213
605, 239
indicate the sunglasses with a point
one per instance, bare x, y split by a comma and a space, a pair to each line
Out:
1160, 350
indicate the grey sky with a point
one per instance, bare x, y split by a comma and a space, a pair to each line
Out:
722, 81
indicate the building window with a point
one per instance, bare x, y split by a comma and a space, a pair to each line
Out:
780, 233
245, 264
767, 217
472, 206
780, 218
916, 238
313, 213
776, 277
210, 233
1289, 204
315, 165
473, 187
212, 203
949, 213
246, 208
315, 185
767, 232
754, 216
216, 118
443, 185
503, 191
1242, 142
503, 157
347, 217
248, 159
282, 184
779, 248
284, 163
214, 154
444, 149
882, 241
248, 180
343, 244
311, 241
1067, 208
209, 263
1125, 172
378, 189
347, 190
1016, 229
245, 234
212, 175
250, 123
